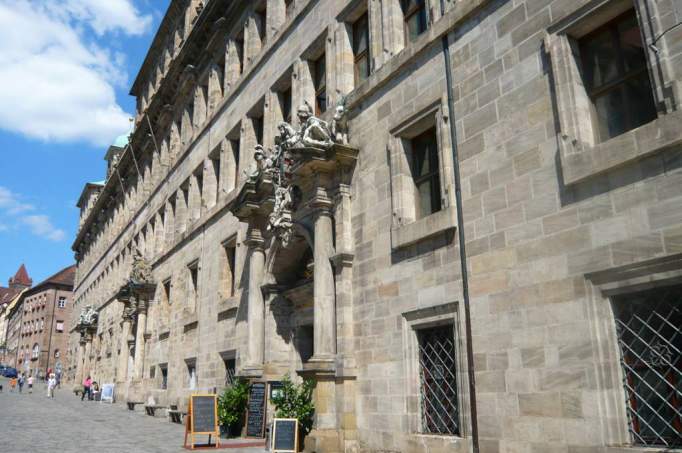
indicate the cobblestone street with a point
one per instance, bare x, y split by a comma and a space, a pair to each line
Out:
33, 423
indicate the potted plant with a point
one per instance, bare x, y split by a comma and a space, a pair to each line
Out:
231, 407
296, 401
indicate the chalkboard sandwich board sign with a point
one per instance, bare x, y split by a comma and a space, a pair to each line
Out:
202, 418
285, 435
255, 419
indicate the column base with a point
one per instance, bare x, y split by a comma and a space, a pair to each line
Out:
326, 440
251, 371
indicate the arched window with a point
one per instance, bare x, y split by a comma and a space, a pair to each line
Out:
36, 351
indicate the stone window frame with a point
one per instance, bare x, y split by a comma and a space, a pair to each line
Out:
412, 322
582, 156
231, 242
602, 286
407, 229
191, 365
192, 288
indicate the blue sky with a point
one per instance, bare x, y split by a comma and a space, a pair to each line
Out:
66, 67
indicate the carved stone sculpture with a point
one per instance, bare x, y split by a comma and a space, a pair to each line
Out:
314, 132
279, 220
88, 316
339, 126
142, 271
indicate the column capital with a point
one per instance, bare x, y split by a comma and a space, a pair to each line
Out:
254, 239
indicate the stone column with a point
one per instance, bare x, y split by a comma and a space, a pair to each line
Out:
324, 319
139, 338
255, 242
122, 369
79, 361
88, 351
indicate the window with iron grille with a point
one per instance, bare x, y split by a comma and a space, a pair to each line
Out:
649, 329
438, 384
230, 367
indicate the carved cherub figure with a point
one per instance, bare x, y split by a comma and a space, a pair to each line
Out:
339, 125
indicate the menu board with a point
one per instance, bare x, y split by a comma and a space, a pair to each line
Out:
204, 414
255, 420
285, 435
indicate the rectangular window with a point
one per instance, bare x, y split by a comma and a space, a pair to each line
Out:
230, 371
285, 104
649, 329
167, 290
152, 372
361, 48
425, 173
258, 128
228, 281
193, 284
239, 44
59, 326
261, 24
62, 302
616, 77
164, 375
319, 73
414, 14
288, 8
437, 381
191, 374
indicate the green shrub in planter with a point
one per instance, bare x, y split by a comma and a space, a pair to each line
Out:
232, 404
296, 401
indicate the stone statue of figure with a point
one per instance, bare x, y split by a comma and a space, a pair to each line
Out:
263, 161
88, 316
314, 132
339, 125
279, 219
142, 271
288, 137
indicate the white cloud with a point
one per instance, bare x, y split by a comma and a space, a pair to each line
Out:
109, 15
41, 226
57, 86
11, 202
14, 210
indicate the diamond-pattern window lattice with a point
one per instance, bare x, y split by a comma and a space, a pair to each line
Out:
649, 327
439, 409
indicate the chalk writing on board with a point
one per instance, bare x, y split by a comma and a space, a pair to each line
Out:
255, 422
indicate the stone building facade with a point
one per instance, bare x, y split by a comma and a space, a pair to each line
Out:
39, 323
9, 297
516, 292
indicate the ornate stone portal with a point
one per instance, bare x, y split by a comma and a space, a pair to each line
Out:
87, 326
297, 198
135, 297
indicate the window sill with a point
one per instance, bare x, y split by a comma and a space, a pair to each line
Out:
638, 449
658, 135
424, 228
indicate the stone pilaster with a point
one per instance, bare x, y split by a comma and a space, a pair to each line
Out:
325, 312
255, 242
140, 338
79, 361
122, 369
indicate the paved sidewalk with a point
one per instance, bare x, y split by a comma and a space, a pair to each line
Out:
35, 423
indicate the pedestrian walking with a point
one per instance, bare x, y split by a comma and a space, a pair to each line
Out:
59, 378
21, 382
87, 383
30, 383
51, 384
12, 384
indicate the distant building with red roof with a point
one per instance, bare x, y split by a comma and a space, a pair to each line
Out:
36, 326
